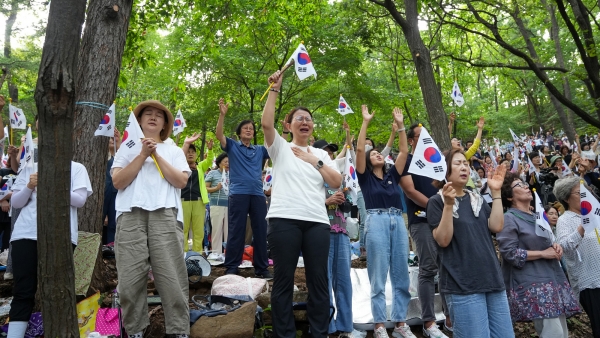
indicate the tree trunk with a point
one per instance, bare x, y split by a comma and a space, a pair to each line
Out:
55, 100
438, 121
99, 65
569, 129
560, 61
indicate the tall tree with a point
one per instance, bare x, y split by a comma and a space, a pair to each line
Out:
55, 99
422, 59
98, 76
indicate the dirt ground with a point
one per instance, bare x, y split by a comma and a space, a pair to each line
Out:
579, 326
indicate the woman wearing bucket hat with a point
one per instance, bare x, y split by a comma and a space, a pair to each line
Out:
149, 224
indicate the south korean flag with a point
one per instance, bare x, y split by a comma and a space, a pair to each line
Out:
590, 209
427, 159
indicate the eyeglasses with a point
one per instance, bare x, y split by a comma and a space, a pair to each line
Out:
303, 118
521, 185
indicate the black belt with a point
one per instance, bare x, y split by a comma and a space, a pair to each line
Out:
187, 199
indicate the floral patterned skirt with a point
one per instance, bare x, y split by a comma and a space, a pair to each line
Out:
542, 300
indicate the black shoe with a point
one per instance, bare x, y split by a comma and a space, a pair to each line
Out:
265, 275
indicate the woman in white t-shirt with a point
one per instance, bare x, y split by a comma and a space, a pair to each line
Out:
24, 239
297, 216
150, 224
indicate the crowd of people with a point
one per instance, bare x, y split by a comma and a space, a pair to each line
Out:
455, 226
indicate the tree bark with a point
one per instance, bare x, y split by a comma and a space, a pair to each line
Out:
438, 121
55, 100
100, 57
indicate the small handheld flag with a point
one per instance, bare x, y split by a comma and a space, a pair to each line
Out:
107, 124
225, 181
427, 159
350, 177
343, 107
457, 95
268, 181
389, 160
17, 117
6, 188
179, 123
590, 209
542, 227
302, 63
27, 153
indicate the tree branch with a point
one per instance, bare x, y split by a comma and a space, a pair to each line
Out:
500, 64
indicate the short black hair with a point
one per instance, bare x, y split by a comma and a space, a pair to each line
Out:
192, 147
220, 158
238, 130
411, 130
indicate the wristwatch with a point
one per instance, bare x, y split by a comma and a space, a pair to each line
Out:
319, 165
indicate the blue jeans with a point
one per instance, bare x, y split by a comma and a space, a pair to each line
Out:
362, 212
480, 315
387, 250
340, 283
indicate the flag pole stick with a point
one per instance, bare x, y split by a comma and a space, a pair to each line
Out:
9, 126
271, 85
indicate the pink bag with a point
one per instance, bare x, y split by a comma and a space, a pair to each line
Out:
107, 322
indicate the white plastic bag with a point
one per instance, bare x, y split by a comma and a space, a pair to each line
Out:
352, 227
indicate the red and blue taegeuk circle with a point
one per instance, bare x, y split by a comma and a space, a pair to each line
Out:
586, 207
546, 217
16, 118
177, 123
125, 134
105, 119
268, 178
303, 58
352, 172
342, 105
23, 153
5, 187
432, 155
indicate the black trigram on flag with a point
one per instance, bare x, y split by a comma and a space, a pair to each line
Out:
302, 69
537, 215
586, 221
583, 194
427, 140
597, 212
420, 164
130, 144
438, 169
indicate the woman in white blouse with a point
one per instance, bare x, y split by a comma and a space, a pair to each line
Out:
581, 250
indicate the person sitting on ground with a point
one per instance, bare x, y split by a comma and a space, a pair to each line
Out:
298, 220
581, 250
150, 224
470, 274
536, 286
385, 233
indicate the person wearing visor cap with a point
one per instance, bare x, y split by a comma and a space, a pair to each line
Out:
150, 224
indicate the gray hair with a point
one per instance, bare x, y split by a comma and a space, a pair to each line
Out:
562, 189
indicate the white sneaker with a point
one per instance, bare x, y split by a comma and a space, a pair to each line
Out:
380, 332
403, 332
8, 276
433, 331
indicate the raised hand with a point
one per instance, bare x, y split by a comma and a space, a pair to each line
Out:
192, 138
117, 134
365, 113
13, 151
223, 107
210, 144
452, 117
394, 127
449, 194
496, 178
276, 78
481, 122
346, 126
398, 117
